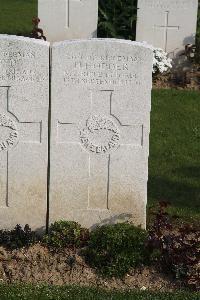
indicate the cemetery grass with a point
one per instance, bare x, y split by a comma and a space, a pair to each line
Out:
174, 162
24, 292
16, 16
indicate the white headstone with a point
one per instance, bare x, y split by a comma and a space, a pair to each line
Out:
68, 19
167, 24
101, 101
24, 100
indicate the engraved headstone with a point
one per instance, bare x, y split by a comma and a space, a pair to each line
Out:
101, 101
68, 19
24, 98
167, 24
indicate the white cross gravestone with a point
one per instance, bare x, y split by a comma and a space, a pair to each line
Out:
167, 24
24, 98
100, 131
69, 8
166, 27
68, 19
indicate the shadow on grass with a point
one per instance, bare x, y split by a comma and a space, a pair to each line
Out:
190, 172
182, 190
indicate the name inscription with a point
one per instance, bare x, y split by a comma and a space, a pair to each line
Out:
101, 70
11, 65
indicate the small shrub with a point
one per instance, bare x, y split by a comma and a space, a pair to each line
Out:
18, 237
114, 249
68, 234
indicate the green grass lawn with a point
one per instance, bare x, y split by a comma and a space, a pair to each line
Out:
16, 16
174, 162
28, 292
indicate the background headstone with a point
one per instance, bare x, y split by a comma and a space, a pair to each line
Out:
167, 24
24, 100
68, 19
101, 101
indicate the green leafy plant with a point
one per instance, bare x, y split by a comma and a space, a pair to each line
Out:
117, 19
68, 234
114, 249
18, 237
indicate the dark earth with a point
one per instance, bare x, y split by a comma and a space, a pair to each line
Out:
37, 264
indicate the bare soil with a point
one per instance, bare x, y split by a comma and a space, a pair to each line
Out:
37, 264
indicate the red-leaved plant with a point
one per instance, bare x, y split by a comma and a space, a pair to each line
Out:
177, 250
37, 33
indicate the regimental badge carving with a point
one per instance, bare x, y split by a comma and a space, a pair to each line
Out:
8, 133
101, 135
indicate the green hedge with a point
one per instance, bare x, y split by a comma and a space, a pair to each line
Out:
31, 292
117, 19
198, 37
198, 22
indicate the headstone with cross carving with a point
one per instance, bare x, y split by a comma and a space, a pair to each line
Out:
68, 19
101, 101
167, 24
24, 80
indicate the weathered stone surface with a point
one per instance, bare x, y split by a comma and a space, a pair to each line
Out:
24, 100
101, 101
68, 19
167, 24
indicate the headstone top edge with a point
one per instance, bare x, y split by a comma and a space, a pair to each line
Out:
24, 39
192, 3
99, 40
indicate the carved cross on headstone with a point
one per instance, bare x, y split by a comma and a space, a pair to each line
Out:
68, 11
166, 27
101, 134
12, 131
